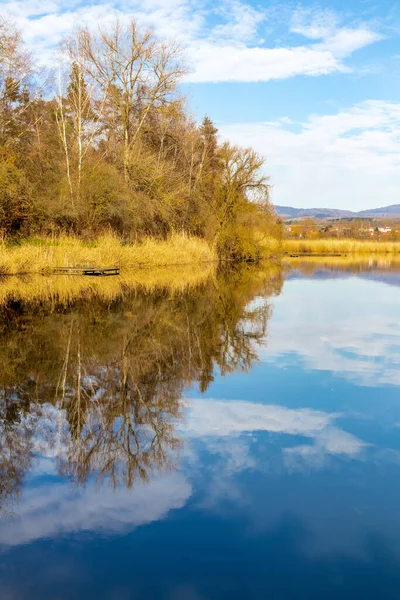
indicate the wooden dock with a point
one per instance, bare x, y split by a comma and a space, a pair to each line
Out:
89, 271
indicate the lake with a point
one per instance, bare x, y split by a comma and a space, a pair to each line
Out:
237, 440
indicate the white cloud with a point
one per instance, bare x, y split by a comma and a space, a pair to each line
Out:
346, 41
347, 159
240, 63
223, 55
217, 51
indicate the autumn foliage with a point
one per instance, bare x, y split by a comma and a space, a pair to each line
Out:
105, 142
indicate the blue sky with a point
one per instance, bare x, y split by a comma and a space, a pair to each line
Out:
314, 87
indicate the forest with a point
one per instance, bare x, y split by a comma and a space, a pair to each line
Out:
102, 141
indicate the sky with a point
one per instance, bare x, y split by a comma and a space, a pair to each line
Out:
312, 86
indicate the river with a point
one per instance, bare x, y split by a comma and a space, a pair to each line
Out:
237, 440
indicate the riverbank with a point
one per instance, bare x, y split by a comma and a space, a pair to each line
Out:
340, 246
174, 280
40, 255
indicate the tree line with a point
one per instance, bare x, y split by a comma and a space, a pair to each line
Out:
105, 141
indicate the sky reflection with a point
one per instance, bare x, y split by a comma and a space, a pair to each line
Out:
350, 327
289, 470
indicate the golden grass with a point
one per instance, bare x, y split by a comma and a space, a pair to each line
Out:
190, 263
107, 251
62, 289
340, 246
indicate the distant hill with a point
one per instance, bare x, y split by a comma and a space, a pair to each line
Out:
289, 212
386, 211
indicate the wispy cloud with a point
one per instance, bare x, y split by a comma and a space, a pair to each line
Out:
222, 44
338, 37
314, 24
352, 157
241, 22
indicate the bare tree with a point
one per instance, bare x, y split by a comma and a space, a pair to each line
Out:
62, 130
137, 74
15, 74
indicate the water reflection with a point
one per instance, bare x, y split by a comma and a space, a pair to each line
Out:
220, 418
350, 328
99, 386
238, 440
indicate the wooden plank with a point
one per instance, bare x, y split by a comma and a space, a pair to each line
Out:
94, 271
309, 255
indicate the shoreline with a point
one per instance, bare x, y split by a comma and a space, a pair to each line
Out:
342, 246
42, 255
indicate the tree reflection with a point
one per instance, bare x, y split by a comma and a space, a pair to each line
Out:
15, 450
99, 386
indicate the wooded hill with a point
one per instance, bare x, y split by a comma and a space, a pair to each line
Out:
289, 212
105, 141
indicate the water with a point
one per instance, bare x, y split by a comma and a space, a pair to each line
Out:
241, 440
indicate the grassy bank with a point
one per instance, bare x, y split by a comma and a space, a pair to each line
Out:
62, 289
340, 246
41, 254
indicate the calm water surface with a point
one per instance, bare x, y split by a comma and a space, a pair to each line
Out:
238, 441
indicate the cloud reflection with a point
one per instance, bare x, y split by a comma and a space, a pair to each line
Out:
224, 428
49, 510
220, 418
349, 327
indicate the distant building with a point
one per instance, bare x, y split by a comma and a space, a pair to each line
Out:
384, 229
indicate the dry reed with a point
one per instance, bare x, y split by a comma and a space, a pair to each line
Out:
340, 246
107, 251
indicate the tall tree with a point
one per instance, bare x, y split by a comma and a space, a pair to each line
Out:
137, 73
15, 75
